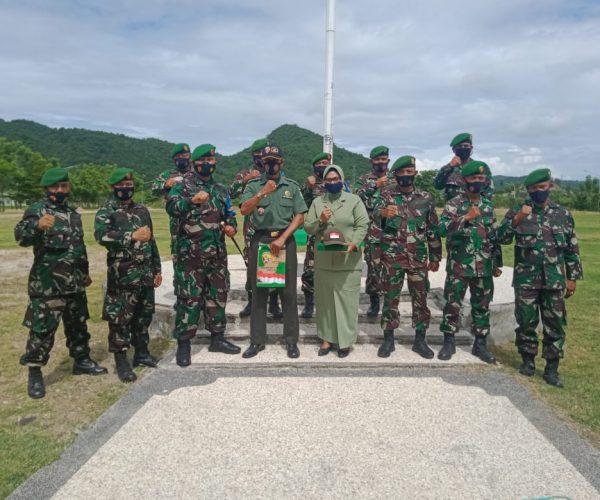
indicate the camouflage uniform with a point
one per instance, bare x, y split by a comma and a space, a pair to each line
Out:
159, 189
408, 241
132, 266
453, 183
308, 272
56, 282
201, 277
546, 255
473, 254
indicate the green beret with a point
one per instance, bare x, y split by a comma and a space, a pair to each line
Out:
204, 150
119, 174
474, 168
460, 138
321, 156
539, 175
378, 151
258, 145
54, 175
180, 148
404, 162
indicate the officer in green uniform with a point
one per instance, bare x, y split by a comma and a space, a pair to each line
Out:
278, 209
547, 266
57, 281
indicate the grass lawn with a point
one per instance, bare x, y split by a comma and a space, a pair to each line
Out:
34, 433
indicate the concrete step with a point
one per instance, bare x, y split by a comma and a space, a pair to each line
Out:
242, 295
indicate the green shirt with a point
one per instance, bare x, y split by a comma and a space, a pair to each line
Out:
275, 211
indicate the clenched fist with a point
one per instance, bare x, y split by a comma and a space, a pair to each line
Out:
142, 234
325, 215
389, 211
200, 197
269, 187
382, 182
253, 174
46, 222
229, 230
311, 181
157, 280
473, 213
455, 161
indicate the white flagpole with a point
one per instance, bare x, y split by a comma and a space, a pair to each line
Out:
330, 33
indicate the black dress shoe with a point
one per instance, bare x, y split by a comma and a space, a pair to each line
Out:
35, 383
145, 359
219, 344
87, 366
324, 351
253, 350
293, 351
342, 353
247, 310
183, 357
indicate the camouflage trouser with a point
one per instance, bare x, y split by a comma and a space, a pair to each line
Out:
308, 272
129, 314
418, 286
529, 305
482, 292
42, 318
373, 260
213, 285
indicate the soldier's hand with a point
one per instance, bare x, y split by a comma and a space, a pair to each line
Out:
311, 181
269, 187
276, 246
142, 234
170, 182
325, 215
87, 281
571, 286
200, 197
46, 222
229, 230
382, 182
253, 174
497, 272
525, 211
473, 213
455, 161
434, 266
389, 212
157, 280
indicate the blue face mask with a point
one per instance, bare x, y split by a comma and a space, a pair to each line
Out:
59, 197
475, 187
333, 187
204, 169
463, 153
182, 164
123, 193
539, 197
405, 180
379, 167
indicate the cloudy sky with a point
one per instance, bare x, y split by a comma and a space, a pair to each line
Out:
523, 76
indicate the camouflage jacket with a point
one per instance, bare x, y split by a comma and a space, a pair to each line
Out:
452, 182
236, 190
546, 249
200, 234
410, 238
130, 263
60, 263
310, 194
473, 248
368, 191
158, 185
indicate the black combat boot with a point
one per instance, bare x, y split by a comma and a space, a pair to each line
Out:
551, 373
143, 357
219, 344
87, 366
448, 348
247, 310
480, 350
527, 368
274, 308
387, 346
35, 383
373, 310
124, 370
309, 305
183, 357
420, 345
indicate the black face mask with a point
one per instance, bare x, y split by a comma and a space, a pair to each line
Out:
204, 169
539, 197
319, 171
257, 163
379, 167
463, 153
123, 193
273, 167
405, 180
475, 187
182, 164
59, 197
334, 187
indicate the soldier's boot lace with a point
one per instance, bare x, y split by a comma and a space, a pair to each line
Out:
480, 350
448, 348
87, 366
124, 370
387, 346
219, 344
143, 357
274, 308
527, 368
551, 373
35, 383
373, 310
184, 353
420, 345
247, 310
309, 305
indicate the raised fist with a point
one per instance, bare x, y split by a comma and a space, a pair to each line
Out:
525, 211
455, 161
389, 211
311, 180
269, 187
253, 174
46, 222
142, 234
200, 197
473, 213
382, 182
325, 215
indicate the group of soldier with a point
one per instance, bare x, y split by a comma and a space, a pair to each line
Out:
403, 241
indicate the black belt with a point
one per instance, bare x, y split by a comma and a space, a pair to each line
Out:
271, 233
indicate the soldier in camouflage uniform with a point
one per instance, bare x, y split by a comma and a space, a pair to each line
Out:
57, 281
410, 247
236, 189
368, 187
547, 265
449, 178
125, 229
201, 280
474, 259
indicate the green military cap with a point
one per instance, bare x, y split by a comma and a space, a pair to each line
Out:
258, 145
378, 151
321, 156
404, 162
180, 148
54, 175
118, 174
204, 150
460, 138
474, 168
539, 175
